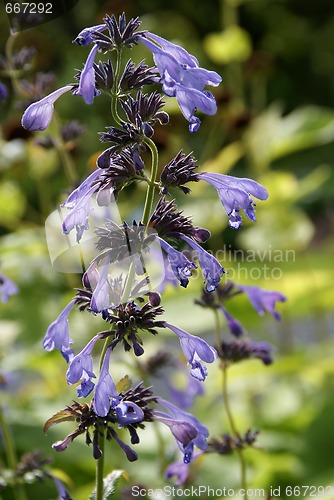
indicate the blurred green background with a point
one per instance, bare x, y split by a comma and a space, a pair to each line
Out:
275, 124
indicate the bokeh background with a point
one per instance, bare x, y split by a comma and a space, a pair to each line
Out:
275, 124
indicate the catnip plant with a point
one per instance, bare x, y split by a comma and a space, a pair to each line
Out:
118, 285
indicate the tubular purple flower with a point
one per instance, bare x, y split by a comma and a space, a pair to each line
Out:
87, 88
190, 100
179, 263
263, 300
182, 77
180, 470
185, 398
233, 324
81, 368
7, 288
105, 389
38, 115
78, 216
101, 296
128, 413
186, 429
195, 350
86, 36
234, 193
211, 269
81, 190
58, 335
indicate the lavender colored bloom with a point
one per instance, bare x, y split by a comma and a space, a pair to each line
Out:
38, 115
81, 190
128, 413
182, 77
186, 429
195, 350
3, 92
58, 334
86, 36
81, 368
185, 398
101, 296
180, 470
7, 288
105, 389
233, 324
179, 263
234, 193
86, 87
263, 300
78, 216
211, 269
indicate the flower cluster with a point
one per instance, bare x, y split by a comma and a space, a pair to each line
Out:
117, 286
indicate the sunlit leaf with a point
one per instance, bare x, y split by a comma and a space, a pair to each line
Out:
232, 44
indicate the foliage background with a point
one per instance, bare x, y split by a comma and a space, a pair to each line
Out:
276, 124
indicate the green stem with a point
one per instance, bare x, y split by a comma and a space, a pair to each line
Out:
151, 186
243, 465
19, 492
65, 158
217, 330
11, 72
100, 469
115, 89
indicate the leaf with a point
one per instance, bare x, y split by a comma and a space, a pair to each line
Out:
124, 384
230, 45
109, 484
66, 415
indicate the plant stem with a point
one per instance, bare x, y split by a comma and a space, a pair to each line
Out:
243, 465
100, 470
115, 89
19, 492
151, 186
65, 158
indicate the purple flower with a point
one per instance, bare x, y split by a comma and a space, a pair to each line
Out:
105, 389
101, 296
180, 470
87, 88
185, 398
211, 269
78, 216
195, 350
262, 351
182, 77
128, 413
7, 288
58, 334
38, 115
263, 300
3, 92
86, 36
180, 265
186, 429
81, 368
234, 193
81, 190
233, 324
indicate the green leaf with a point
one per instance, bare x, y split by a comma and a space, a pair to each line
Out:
62, 416
109, 484
232, 45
